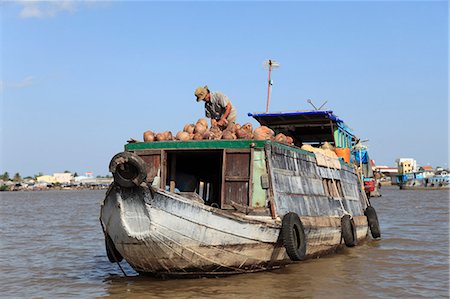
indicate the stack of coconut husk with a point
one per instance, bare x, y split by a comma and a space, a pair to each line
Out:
201, 131
326, 149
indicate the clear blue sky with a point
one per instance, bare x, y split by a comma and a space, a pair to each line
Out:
80, 78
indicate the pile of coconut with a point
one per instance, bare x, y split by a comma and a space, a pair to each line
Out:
201, 131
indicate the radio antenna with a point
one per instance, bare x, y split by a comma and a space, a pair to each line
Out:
270, 64
315, 108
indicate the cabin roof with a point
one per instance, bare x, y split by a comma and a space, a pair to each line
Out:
318, 117
314, 126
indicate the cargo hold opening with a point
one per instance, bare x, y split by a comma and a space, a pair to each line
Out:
197, 172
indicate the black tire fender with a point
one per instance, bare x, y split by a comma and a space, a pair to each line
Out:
293, 235
128, 169
114, 256
372, 220
348, 231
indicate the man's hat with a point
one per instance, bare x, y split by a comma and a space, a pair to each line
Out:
201, 93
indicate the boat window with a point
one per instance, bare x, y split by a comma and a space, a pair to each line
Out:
333, 188
197, 172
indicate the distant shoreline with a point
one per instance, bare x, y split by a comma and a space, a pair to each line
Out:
56, 189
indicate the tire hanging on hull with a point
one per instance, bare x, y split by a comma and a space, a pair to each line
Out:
372, 220
348, 231
293, 235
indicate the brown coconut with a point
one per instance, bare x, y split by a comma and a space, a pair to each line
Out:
149, 136
169, 135
200, 128
216, 133
289, 140
281, 138
182, 136
203, 122
189, 128
160, 137
228, 135
263, 133
198, 136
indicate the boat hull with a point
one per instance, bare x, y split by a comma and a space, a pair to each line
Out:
166, 234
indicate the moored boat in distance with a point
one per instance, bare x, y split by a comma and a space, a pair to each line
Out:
218, 207
411, 177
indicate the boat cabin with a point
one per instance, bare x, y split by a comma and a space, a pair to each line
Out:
309, 127
235, 174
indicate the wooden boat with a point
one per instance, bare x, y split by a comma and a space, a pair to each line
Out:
213, 207
416, 181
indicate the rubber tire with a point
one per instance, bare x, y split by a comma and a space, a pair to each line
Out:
293, 235
348, 230
114, 256
128, 169
372, 220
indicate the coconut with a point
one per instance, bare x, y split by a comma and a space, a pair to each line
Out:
169, 135
281, 138
189, 128
200, 128
182, 136
160, 137
203, 122
216, 133
198, 136
289, 140
228, 135
149, 136
263, 133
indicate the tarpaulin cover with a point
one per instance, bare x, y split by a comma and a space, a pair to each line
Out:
364, 156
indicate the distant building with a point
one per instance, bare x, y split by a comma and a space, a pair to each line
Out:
427, 171
406, 165
49, 179
87, 178
63, 178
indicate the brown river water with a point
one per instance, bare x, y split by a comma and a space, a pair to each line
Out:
52, 246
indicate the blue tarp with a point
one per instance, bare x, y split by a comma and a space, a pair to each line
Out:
364, 156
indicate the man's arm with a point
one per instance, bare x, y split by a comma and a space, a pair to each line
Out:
225, 114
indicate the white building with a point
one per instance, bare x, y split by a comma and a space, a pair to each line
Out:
87, 178
63, 178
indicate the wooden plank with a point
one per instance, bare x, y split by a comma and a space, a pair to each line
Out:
163, 169
173, 169
250, 181
194, 144
236, 178
222, 192
271, 190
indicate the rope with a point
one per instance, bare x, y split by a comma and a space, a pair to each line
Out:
362, 187
114, 255
344, 211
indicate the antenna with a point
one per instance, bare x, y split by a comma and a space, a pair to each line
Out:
269, 64
315, 108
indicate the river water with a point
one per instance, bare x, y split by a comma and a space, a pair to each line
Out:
52, 246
